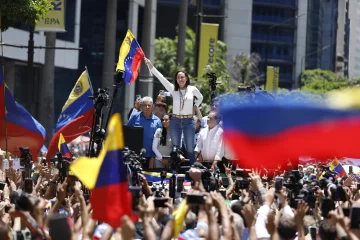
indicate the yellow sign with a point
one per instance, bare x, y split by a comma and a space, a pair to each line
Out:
272, 79
208, 39
54, 20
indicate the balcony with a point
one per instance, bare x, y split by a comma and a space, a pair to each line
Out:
273, 19
288, 3
273, 38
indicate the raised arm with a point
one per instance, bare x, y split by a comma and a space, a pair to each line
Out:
168, 85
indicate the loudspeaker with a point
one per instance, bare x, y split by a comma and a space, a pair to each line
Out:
133, 137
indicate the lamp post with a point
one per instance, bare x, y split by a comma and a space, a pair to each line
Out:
267, 41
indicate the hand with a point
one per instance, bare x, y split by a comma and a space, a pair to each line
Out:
127, 228
77, 189
208, 202
227, 170
300, 213
255, 180
269, 197
271, 224
148, 63
195, 174
249, 213
62, 191
165, 162
283, 196
218, 200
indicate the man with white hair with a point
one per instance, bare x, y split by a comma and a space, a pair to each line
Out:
150, 123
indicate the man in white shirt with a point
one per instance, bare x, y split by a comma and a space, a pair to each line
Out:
210, 147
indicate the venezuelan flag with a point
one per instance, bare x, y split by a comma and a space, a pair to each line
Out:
130, 57
179, 218
106, 177
63, 148
76, 116
22, 129
336, 166
269, 133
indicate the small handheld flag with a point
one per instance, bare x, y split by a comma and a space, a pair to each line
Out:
130, 58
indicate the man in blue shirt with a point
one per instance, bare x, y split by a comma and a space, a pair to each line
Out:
150, 123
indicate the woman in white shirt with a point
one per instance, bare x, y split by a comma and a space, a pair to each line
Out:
162, 145
182, 121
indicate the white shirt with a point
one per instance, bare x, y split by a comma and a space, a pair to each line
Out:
188, 95
210, 144
159, 149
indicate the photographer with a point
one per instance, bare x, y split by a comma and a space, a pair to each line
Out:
210, 147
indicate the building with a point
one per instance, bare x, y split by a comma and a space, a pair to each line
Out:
66, 61
353, 69
314, 40
275, 29
329, 32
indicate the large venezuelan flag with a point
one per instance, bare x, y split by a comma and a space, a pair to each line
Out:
106, 176
130, 58
76, 116
22, 129
62, 146
269, 133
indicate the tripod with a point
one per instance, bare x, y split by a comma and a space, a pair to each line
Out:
102, 99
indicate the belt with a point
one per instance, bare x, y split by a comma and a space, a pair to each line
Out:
183, 116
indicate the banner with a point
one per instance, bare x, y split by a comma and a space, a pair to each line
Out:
272, 79
54, 20
208, 39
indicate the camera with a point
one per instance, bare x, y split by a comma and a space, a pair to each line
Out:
25, 156
62, 165
175, 159
25, 202
209, 179
134, 163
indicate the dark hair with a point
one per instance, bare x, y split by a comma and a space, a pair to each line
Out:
327, 231
287, 227
164, 133
187, 81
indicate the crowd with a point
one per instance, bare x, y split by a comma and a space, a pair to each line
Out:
215, 200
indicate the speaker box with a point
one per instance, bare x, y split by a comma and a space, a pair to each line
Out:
133, 137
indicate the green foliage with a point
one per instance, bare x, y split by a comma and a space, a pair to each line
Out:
14, 12
244, 68
322, 81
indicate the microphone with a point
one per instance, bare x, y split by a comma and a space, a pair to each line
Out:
142, 152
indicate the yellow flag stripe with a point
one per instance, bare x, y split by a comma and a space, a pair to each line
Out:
61, 140
124, 50
87, 169
82, 85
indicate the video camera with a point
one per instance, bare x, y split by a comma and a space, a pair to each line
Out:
175, 159
134, 163
62, 164
101, 98
25, 156
209, 179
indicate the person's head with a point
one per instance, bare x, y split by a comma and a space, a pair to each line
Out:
287, 227
182, 80
166, 121
146, 105
327, 231
166, 125
160, 109
197, 123
215, 104
213, 119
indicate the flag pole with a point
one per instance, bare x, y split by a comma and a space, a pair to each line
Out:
3, 70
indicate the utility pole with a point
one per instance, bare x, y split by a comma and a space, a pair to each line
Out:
45, 111
109, 47
180, 54
30, 72
199, 20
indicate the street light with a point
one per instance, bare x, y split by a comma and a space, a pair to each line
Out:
267, 40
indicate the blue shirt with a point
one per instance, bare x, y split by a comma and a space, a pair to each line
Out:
150, 125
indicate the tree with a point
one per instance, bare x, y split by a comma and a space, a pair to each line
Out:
322, 81
29, 12
244, 68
